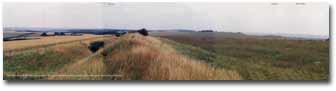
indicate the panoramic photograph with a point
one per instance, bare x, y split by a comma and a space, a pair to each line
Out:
166, 41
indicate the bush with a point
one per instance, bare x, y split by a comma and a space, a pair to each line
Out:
94, 46
143, 32
44, 34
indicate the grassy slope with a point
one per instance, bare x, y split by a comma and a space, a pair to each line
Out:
91, 67
259, 59
146, 58
135, 57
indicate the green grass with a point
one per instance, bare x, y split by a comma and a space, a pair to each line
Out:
47, 60
33, 63
257, 58
38, 62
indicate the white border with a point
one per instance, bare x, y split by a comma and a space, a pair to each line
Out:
169, 85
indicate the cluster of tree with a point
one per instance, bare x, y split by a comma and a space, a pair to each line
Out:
44, 34
143, 32
76, 34
206, 31
119, 33
55, 34
95, 46
59, 33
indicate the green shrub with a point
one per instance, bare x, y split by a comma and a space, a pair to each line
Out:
95, 46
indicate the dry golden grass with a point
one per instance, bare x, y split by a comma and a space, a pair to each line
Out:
23, 44
146, 58
91, 68
58, 45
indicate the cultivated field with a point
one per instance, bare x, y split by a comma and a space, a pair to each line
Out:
257, 58
34, 62
43, 41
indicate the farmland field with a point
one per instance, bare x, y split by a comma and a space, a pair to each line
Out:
257, 58
171, 56
46, 55
43, 41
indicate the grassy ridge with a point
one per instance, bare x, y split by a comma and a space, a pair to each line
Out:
146, 58
259, 59
135, 57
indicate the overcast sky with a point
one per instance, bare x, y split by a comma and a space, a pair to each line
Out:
289, 18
